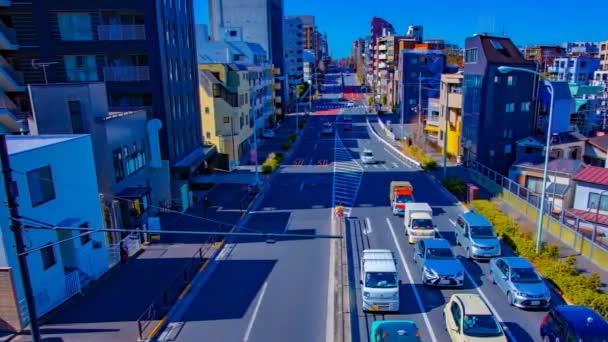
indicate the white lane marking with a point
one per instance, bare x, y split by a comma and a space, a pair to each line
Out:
412, 284
255, 312
301, 186
368, 226
385, 167
397, 158
394, 164
485, 298
452, 222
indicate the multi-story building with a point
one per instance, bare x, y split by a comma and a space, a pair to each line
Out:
293, 47
378, 28
309, 65
600, 77
419, 79
385, 67
11, 80
415, 32
497, 108
255, 21
589, 49
56, 184
236, 94
543, 55
133, 180
144, 51
451, 111
577, 70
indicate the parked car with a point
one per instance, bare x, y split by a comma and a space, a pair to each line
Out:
518, 279
268, 134
348, 127
438, 265
394, 331
468, 318
477, 236
327, 129
367, 156
573, 323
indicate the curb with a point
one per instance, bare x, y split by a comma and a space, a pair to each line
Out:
417, 164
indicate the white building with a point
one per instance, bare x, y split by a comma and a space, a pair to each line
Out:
292, 45
56, 184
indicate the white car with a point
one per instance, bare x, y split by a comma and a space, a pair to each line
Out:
367, 157
351, 104
268, 134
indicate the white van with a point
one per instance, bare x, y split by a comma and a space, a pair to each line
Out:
418, 221
379, 280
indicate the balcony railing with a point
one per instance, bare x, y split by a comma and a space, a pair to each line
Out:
121, 32
15, 78
382, 47
126, 73
10, 37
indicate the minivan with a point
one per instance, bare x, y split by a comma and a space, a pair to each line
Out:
477, 236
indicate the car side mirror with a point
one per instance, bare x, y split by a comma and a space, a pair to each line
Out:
400, 282
361, 282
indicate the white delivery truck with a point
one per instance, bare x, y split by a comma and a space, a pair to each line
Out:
418, 220
379, 280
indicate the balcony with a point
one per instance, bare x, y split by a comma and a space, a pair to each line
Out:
277, 86
382, 65
8, 113
277, 99
382, 57
126, 73
10, 79
8, 37
455, 100
382, 47
121, 32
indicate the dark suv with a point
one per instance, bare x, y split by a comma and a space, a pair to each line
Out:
573, 323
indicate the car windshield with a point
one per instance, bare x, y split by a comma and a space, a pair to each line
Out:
422, 224
483, 232
439, 254
368, 154
524, 275
381, 280
481, 326
404, 199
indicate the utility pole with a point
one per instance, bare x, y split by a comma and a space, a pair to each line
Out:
17, 229
234, 156
446, 118
420, 105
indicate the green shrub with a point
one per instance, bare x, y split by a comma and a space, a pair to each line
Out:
562, 273
426, 162
266, 168
454, 185
278, 156
286, 146
292, 137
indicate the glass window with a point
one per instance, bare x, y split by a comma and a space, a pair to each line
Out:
80, 68
511, 80
439, 253
119, 168
48, 257
593, 198
456, 315
75, 26
510, 107
470, 56
76, 117
381, 279
525, 106
84, 239
40, 183
524, 275
481, 326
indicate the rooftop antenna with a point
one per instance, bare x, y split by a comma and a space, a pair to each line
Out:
43, 65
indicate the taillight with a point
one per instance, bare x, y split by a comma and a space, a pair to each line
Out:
545, 320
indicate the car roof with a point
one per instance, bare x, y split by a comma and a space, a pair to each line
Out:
366, 150
578, 316
473, 304
475, 219
435, 243
517, 262
392, 328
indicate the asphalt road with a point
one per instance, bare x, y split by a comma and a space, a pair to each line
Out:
372, 225
261, 291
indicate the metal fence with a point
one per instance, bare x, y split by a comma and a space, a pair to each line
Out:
165, 300
582, 235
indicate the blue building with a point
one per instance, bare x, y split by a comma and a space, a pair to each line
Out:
497, 107
577, 70
419, 78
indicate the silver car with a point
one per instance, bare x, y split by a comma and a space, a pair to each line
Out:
438, 265
516, 277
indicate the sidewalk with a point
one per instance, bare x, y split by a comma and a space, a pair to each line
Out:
108, 310
267, 146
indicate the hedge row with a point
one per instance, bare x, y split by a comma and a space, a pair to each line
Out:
272, 162
426, 162
575, 287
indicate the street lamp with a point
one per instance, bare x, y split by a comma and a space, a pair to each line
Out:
310, 86
539, 223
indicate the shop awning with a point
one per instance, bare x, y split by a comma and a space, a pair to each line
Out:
434, 129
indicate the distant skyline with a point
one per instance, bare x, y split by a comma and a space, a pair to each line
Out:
526, 22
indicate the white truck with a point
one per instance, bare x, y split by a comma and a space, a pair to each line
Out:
379, 280
418, 220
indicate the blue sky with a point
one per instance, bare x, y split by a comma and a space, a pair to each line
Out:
525, 21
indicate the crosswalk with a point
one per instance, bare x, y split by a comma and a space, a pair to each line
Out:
347, 177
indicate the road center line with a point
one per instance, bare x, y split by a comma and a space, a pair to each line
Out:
301, 186
255, 312
412, 284
368, 229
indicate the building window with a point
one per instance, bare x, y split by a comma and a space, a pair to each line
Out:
233, 33
76, 117
208, 135
496, 79
226, 119
507, 148
119, 168
510, 107
40, 183
470, 56
80, 68
511, 80
48, 257
592, 202
206, 110
525, 106
75, 26
84, 239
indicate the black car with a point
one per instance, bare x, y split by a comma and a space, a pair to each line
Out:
573, 323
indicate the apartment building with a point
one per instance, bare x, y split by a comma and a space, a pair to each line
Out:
294, 50
450, 101
133, 180
543, 55
600, 77
143, 50
60, 190
497, 108
577, 70
11, 80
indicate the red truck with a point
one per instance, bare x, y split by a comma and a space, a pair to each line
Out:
402, 192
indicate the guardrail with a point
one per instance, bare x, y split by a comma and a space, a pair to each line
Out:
579, 234
386, 130
395, 149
